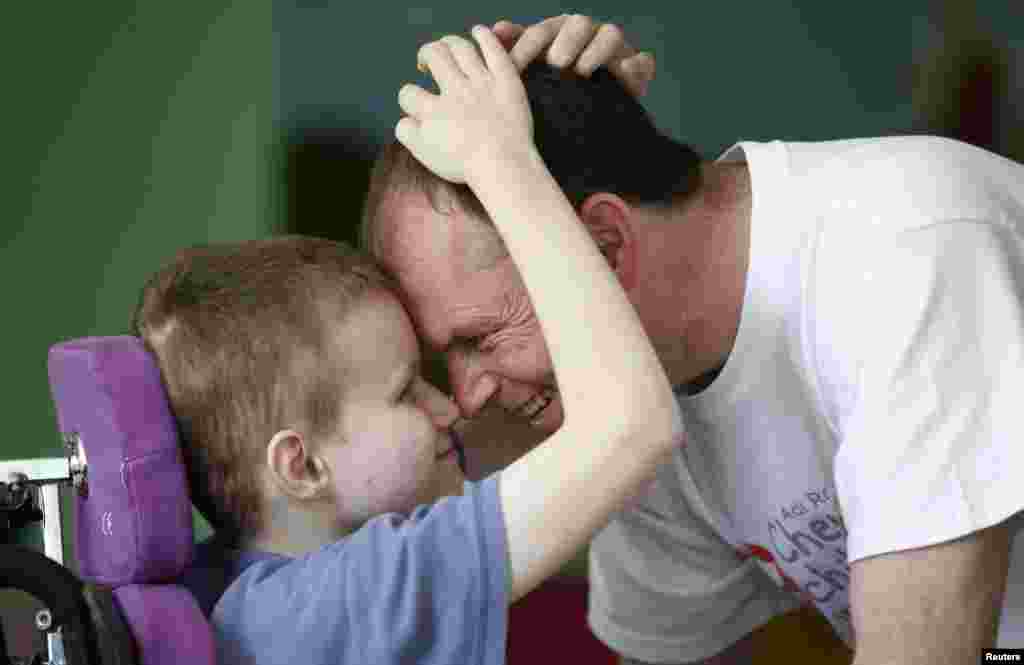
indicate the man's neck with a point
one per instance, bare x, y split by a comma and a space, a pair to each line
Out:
713, 232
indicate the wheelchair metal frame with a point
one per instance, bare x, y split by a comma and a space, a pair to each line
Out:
46, 477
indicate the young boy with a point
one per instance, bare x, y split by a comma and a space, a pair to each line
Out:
313, 442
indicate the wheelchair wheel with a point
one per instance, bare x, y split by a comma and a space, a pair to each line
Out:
60, 591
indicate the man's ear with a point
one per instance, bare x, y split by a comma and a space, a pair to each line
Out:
293, 467
610, 220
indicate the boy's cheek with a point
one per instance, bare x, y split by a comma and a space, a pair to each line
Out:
381, 468
384, 490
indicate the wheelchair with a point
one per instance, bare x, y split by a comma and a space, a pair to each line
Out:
129, 603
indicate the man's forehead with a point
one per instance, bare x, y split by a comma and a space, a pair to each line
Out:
415, 244
410, 231
430, 253
418, 243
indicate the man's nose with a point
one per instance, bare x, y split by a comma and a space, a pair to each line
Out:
472, 386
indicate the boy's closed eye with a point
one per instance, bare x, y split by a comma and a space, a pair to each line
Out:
406, 390
405, 382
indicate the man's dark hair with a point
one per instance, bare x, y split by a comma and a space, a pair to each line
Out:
592, 134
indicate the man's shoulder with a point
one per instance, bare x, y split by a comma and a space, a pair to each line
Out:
892, 184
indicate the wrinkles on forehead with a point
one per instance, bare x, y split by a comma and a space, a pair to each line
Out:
473, 238
430, 255
413, 235
415, 244
409, 231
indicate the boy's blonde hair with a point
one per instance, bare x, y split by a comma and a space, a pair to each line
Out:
245, 337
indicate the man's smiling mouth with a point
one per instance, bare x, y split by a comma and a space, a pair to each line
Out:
536, 404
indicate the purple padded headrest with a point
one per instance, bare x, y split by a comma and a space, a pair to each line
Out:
135, 525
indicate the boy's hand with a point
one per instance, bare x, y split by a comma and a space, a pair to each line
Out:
482, 108
579, 39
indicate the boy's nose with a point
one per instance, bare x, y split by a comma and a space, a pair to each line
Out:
443, 410
449, 413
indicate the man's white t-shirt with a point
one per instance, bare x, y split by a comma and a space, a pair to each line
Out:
870, 403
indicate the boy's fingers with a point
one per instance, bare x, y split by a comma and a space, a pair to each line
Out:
609, 43
414, 100
507, 33
465, 55
641, 64
406, 132
535, 39
499, 62
638, 72
576, 32
440, 63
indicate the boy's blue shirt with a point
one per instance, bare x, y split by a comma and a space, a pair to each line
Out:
430, 588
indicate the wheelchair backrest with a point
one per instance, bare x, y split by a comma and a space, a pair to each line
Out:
133, 519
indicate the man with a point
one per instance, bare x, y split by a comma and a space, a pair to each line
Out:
844, 326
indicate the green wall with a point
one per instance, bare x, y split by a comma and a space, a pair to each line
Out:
787, 69
727, 71
132, 129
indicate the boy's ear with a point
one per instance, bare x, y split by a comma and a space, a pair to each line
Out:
609, 220
293, 467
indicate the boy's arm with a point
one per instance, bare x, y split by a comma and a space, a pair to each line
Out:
620, 414
621, 418
494, 439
